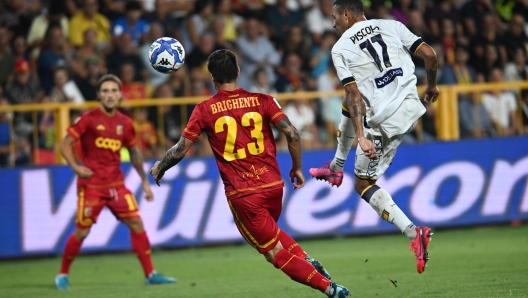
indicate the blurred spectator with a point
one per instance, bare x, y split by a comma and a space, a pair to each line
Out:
180, 83
294, 5
198, 56
5, 135
320, 56
125, 52
473, 12
45, 155
232, 21
488, 35
524, 109
515, 37
491, 60
328, 81
473, 118
146, 134
131, 89
448, 40
37, 32
319, 20
19, 47
517, 70
131, 23
155, 78
171, 116
88, 49
296, 43
197, 24
443, 9
380, 9
198, 83
88, 85
17, 14
89, 18
260, 83
400, 10
24, 88
217, 27
302, 116
163, 15
418, 27
281, 19
256, 51
292, 79
56, 55
112, 9
64, 89
7, 60
251, 8
501, 106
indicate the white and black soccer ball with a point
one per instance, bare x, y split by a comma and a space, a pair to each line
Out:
166, 55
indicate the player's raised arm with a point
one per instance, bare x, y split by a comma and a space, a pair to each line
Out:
294, 146
173, 156
431, 66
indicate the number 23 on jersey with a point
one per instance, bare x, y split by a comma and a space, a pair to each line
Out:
254, 148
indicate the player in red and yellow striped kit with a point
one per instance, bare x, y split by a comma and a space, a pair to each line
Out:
101, 133
238, 126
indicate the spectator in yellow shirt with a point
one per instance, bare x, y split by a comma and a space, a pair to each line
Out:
86, 19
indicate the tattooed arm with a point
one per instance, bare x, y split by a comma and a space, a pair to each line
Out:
353, 102
431, 67
173, 156
294, 146
137, 161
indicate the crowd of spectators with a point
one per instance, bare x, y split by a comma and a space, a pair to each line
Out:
55, 51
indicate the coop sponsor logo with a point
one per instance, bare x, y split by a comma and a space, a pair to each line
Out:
190, 206
107, 143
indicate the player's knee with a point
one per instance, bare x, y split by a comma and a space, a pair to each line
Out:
81, 234
270, 255
361, 184
134, 224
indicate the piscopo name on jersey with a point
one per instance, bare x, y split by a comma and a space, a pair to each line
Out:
363, 32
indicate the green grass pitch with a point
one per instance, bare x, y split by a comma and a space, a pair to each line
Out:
470, 262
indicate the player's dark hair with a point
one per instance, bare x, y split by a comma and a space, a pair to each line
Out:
108, 78
222, 65
354, 6
132, 5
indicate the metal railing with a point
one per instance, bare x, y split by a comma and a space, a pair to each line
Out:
447, 121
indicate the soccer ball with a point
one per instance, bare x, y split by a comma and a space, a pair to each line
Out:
166, 55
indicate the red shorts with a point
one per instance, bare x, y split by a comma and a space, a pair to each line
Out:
91, 201
256, 217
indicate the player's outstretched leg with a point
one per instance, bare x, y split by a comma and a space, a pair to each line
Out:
381, 201
71, 250
295, 249
141, 246
303, 272
333, 173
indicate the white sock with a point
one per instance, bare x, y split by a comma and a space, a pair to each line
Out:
329, 290
382, 202
345, 138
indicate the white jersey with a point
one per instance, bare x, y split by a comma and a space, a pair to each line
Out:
374, 54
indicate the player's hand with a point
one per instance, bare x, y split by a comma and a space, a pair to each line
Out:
368, 148
297, 178
431, 93
148, 192
83, 172
156, 174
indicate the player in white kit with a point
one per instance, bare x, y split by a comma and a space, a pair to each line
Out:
373, 61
